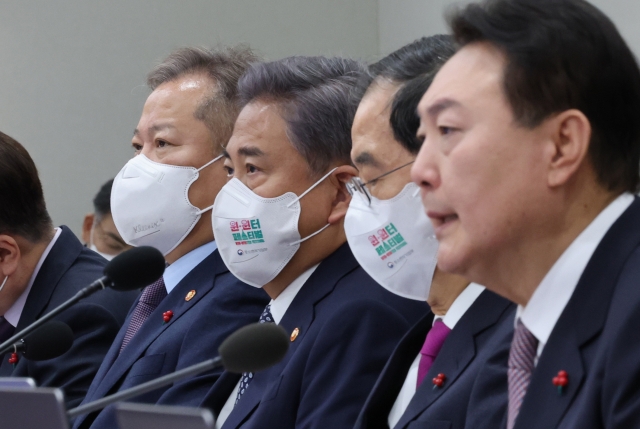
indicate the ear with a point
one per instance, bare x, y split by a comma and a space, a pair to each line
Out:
570, 138
10, 256
340, 204
87, 224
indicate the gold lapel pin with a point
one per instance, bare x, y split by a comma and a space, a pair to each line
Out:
190, 295
294, 334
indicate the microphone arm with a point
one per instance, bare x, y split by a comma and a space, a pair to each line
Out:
100, 284
145, 387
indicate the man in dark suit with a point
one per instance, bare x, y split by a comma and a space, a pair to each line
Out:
289, 160
528, 171
40, 268
182, 319
466, 322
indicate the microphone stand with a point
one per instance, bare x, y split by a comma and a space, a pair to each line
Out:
97, 285
145, 387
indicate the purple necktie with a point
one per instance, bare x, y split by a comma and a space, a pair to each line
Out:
149, 300
431, 347
6, 330
521, 365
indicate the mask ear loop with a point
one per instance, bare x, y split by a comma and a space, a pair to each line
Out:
206, 165
4, 283
302, 195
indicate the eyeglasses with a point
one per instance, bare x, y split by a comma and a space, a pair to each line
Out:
356, 184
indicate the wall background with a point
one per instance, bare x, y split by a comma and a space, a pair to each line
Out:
73, 71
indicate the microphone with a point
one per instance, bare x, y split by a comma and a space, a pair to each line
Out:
48, 342
252, 348
133, 269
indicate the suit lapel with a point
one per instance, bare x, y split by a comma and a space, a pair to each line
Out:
198, 279
393, 376
458, 351
581, 321
300, 314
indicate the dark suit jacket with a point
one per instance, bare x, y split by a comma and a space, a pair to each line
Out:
95, 321
348, 325
222, 304
464, 352
596, 340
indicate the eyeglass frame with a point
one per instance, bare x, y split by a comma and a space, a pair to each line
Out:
356, 185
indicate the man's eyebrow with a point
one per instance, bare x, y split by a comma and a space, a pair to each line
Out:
437, 108
250, 151
115, 237
365, 158
155, 127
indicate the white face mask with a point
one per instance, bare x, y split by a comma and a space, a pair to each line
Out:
394, 241
257, 237
150, 203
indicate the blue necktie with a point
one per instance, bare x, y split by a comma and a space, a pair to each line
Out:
265, 317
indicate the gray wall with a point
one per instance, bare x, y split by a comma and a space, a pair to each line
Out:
73, 71
401, 21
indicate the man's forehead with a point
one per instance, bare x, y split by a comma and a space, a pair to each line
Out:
475, 69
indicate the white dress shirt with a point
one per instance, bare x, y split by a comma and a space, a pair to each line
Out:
552, 295
175, 272
278, 308
458, 308
13, 314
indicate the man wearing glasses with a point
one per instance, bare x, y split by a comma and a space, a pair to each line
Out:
427, 379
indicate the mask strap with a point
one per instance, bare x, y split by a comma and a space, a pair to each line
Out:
4, 283
206, 165
311, 188
309, 236
210, 162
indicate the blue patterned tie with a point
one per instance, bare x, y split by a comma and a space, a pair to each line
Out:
265, 317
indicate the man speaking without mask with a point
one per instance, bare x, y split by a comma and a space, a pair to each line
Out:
279, 226
162, 198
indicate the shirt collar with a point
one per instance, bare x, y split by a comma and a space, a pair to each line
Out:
13, 314
552, 295
460, 305
282, 302
175, 272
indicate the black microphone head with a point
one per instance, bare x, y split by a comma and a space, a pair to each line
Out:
254, 347
51, 340
136, 268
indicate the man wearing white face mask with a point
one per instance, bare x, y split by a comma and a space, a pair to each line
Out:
428, 379
279, 226
162, 198
98, 230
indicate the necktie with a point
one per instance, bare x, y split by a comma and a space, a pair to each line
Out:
6, 330
265, 317
149, 300
521, 365
431, 347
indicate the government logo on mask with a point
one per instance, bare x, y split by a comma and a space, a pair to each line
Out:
387, 241
246, 231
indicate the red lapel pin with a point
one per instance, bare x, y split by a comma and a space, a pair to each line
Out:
438, 381
561, 380
13, 359
166, 316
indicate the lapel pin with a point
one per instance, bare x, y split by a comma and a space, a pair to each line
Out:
13, 360
166, 316
560, 381
438, 380
190, 295
294, 334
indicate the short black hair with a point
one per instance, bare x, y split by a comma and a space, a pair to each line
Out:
417, 61
102, 200
560, 55
313, 96
22, 207
404, 118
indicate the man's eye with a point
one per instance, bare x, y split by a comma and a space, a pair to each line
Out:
446, 130
229, 171
137, 147
162, 143
251, 168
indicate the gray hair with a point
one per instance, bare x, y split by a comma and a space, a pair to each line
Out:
313, 94
223, 66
